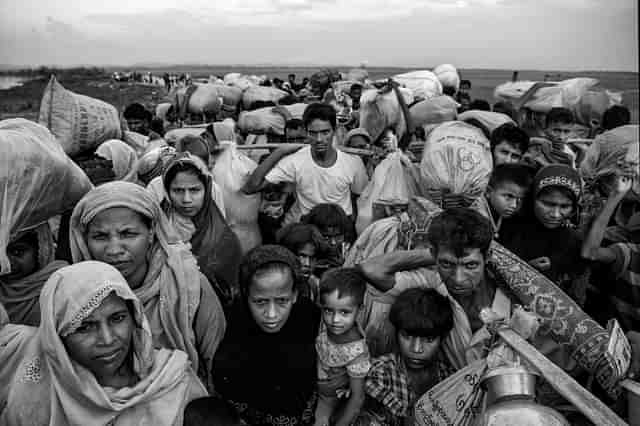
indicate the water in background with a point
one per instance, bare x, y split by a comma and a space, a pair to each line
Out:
8, 81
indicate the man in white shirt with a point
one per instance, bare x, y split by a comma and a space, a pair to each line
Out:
321, 173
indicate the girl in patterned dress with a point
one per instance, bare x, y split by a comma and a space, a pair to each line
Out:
343, 356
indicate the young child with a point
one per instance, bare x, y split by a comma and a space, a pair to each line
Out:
506, 191
343, 356
422, 319
508, 144
553, 149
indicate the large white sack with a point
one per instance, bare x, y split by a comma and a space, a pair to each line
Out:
490, 120
140, 143
380, 110
448, 76
434, 111
162, 109
262, 93
565, 94
388, 185
512, 90
423, 84
206, 99
37, 180
80, 123
456, 159
231, 171
265, 120
231, 95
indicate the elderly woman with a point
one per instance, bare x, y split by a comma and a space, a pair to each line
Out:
266, 365
119, 223
32, 262
186, 197
91, 360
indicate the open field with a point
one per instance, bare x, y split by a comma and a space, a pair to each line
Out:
24, 101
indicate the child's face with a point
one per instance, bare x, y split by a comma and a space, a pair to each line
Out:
505, 153
338, 313
307, 256
506, 199
417, 352
552, 208
559, 132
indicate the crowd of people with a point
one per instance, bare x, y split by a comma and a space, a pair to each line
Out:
144, 304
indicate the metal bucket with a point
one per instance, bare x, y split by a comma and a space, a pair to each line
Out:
509, 382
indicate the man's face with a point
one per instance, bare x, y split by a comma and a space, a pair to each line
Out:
560, 132
506, 198
356, 93
462, 275
320, 136
505, 153
553, 208
138, 125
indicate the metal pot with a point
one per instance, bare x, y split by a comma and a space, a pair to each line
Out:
510, 400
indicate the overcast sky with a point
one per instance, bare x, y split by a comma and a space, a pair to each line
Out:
522, 34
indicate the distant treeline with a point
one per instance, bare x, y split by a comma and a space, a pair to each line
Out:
44, 71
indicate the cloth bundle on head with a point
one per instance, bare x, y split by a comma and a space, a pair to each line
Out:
358, 131
559, 175
46, 385
122, 156
171, 289
614, 152
213, 243
448, 76
20, 297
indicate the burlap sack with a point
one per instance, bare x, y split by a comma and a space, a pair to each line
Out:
79, 123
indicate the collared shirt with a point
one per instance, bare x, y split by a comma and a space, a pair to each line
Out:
388, 384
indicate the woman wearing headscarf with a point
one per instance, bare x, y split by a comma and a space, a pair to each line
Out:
121, 224
32, 262
266, 365
122, 156
186, 198
91, 360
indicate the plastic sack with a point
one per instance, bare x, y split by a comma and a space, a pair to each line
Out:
423, 84
434, 111
565, 94
490, 120
454, 401
140, 143
79, 123
262, 93
448, 76
37, 180
613, 152
230, 172
380, 109
512, 90
456, 159
388, 185
265, 120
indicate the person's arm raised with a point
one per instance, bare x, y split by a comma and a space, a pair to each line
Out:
256, 181
591, 249
380, 270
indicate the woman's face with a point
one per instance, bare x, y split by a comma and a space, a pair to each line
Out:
103, 340
307, 256
271, 297
120, 237
187, 193
553, 208
23, 255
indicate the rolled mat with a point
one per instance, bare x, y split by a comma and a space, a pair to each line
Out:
560, 317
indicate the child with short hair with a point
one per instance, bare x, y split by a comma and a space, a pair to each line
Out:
505, 193
553, 148
508, 144
343, 356
422, 319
